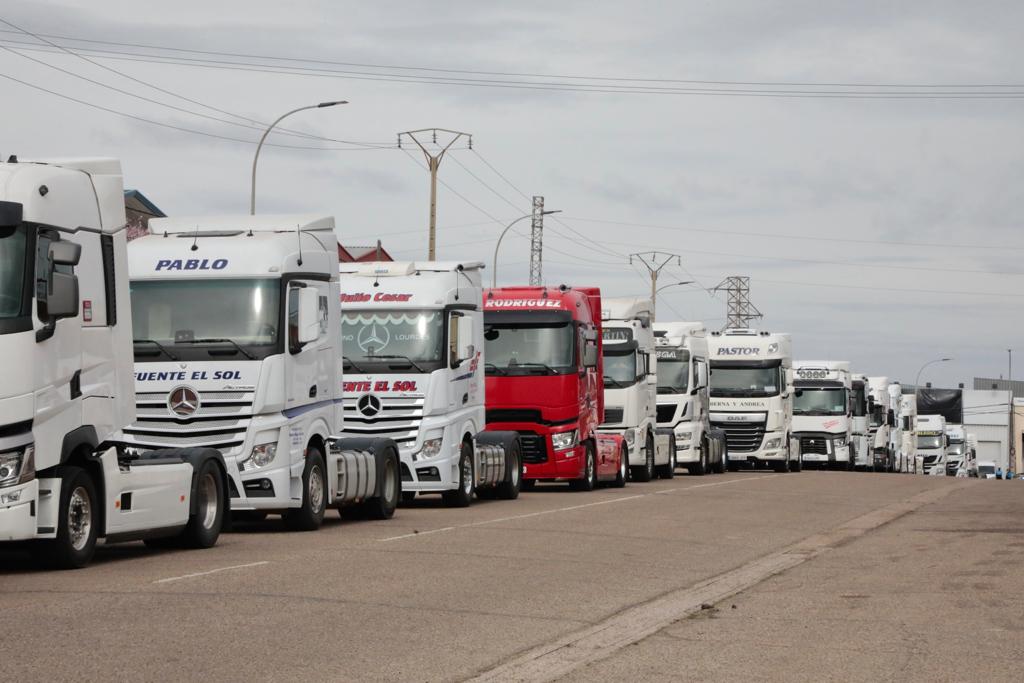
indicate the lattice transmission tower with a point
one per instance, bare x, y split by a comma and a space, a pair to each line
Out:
739, 311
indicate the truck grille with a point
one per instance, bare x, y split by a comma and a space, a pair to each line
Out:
666, 413
399, 419
534, 448
514, 415
742, 437
930, 459
813, 444
221, 422
612, 416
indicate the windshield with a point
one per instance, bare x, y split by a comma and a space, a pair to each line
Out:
731, 381
673, 373
815, 401
523, 348
955, 449
174, 315
13, 246
392, 340
619, 368
929, 441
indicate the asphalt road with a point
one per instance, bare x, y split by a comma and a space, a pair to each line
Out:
440, 594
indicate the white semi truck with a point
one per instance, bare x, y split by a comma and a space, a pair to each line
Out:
881, 423
909, 461
892, 416
931, 443
957, 450
66, 378
414, 365
752, 397
822, 419
681, 349
860, 415
238, 347
630, 387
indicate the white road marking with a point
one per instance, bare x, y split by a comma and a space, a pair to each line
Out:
555, 659
212, 571
567, 509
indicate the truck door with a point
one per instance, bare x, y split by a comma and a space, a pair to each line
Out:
308, 365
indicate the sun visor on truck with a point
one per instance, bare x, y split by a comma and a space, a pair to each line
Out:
527, 317
10, 214
773, 363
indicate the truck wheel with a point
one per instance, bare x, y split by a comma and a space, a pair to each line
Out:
782, 467
77, 521
589, 480
719, 467
509, 489
462, 496
383, 506
310, 516
645, 472
205, 524
700, 468
668, 470
623, 474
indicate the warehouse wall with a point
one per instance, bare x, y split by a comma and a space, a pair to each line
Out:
987, 416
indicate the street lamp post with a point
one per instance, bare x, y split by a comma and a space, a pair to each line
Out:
256, 158
917, 380
654, 302
494, 270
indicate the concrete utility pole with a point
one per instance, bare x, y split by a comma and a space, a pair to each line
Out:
433, 163
739, 310
654, 261
536, 240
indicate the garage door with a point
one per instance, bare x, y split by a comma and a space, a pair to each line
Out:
989, 450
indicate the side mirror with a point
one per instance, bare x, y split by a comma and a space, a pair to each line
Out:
891, 418
62, 301
10, 214
309, 315
789, 377
590, 356
465, 348
64, 253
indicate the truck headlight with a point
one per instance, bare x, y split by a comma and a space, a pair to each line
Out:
261, 456
684, 435
839, 442
773, 443
561, 441
629, 436
431, 448
17, 467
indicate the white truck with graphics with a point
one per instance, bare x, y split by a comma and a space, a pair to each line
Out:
630, 387
66, 378
238, 347
414, 364
859, 416
956, 451
822, 420
683, 404
752, 397
931, 443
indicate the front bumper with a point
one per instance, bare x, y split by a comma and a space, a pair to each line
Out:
762, 454
567, 464
17, 519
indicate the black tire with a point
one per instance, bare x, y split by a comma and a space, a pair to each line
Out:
589, 480
623, 474
668, 470
528, 485
248, 516
782, 467
310, 516
205, 524
719, 467
408, 497
462, 496
509, 489
700, 468
383, 506
645, 472
732, 466
77, 522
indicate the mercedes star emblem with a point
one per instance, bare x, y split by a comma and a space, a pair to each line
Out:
368, 405
183, 401
373, 338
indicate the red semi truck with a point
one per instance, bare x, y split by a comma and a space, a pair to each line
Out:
544, 380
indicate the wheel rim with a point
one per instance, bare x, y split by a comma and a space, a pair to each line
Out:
467, 475
650, 457
590, 466
515, 470
389, 481
316, 488
623, 465
208, 503
79, 518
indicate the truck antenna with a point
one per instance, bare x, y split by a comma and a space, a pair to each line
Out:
298, 236
195, 239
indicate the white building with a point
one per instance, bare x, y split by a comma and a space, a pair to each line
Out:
987, 415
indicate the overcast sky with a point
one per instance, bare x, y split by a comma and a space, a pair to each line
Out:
735, 185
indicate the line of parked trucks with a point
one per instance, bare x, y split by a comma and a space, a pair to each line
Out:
229, 367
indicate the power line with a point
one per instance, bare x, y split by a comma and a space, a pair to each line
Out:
555, 86
890, 289
608, 80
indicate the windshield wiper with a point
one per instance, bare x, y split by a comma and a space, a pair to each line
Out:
158, 345
396, 356
498, 371
545, 366
349, 361
614, 382
220, 341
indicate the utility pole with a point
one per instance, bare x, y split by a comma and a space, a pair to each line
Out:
654, 261
536, 240
739, 310
433, 163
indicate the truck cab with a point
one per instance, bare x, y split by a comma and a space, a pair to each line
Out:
66, 481
681, 350
414, 372
822, 407
956, 451
630, 387
908, 460
931, 443
544, 380
752, 397
238, 347
880, 425
859, 416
